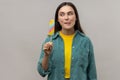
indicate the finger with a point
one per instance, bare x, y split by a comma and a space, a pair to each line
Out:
48, 46
45, 48
50, 43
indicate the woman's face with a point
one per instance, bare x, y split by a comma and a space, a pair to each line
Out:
66, 17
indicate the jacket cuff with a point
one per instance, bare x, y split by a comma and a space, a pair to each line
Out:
41, 71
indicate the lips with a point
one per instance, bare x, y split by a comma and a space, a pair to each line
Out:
67, 23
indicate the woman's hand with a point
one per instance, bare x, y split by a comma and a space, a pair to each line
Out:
47, 48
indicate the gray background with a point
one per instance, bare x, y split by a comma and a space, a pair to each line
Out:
24, 26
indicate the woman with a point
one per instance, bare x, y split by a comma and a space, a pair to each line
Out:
70, 55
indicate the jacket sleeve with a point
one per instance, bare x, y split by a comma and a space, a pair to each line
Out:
91, 70
41, 71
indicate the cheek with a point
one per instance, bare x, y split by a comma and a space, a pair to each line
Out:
60, 20
73, 18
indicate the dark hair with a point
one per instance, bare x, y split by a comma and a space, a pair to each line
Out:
77, 25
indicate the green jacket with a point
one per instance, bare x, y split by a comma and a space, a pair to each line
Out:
82, 61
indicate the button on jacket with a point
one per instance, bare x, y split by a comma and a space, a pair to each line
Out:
82, 59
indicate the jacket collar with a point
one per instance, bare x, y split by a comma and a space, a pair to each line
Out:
77, 32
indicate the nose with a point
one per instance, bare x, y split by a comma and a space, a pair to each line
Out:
66, 17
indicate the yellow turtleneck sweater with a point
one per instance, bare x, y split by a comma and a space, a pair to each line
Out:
67, 51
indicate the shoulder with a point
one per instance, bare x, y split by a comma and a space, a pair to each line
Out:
81, 35
84, 37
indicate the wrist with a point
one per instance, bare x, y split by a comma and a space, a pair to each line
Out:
46, 55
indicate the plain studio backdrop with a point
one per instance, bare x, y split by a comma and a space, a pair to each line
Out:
24, 26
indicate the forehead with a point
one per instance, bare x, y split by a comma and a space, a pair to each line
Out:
66, 8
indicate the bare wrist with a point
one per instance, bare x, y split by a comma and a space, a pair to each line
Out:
46, 55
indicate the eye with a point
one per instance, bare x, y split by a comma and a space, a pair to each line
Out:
62, 14
70, 13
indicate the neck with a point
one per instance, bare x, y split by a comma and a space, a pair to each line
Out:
68, 32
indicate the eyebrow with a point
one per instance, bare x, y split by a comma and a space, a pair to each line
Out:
67, 12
